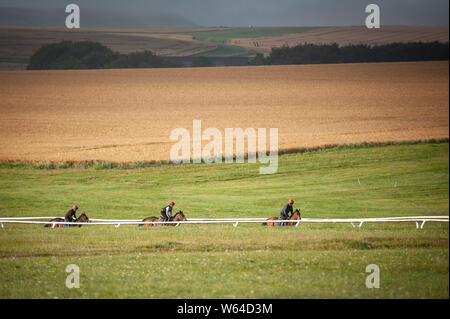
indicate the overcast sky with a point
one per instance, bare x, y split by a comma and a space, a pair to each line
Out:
264, 12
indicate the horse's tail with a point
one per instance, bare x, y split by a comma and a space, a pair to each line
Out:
264, 224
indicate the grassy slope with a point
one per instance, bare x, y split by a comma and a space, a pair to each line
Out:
195, 260
220, 37
324, 184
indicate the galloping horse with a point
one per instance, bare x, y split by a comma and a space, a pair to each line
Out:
295, 216
81, 219
177, 217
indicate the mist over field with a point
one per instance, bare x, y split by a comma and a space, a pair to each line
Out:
140, 13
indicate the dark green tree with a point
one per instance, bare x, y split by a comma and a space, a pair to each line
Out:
202, 61
258, 60
92, 55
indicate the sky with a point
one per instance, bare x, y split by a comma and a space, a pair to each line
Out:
263, 12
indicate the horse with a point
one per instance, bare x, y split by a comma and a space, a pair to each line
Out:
177, 217
81, 219
151, 219
295, 216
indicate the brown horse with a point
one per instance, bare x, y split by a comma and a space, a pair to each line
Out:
151, 219
177, 217
295, 216
81, 219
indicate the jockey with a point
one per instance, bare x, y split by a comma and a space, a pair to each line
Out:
166, 212
284, 214
70, 215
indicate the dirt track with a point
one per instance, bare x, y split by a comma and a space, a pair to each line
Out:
127, 115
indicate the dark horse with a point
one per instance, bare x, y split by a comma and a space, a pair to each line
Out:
295, 216
81, 219
177, 217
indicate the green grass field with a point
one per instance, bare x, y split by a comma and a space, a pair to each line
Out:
220, 38
220, 261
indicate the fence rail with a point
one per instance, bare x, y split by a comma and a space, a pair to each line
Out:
234, 221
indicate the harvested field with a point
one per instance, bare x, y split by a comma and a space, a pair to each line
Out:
348, 35
127, 115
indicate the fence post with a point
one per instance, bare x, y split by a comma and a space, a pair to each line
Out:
235, 224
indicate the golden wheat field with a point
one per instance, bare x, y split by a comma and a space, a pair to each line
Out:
128, 115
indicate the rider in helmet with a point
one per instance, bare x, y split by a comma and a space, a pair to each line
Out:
166, 212
70, 215
284, 214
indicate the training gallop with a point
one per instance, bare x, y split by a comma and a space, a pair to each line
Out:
277, 222
82, 219
177, 217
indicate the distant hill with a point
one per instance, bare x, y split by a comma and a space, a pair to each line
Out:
19, 43
354, 35
89, 18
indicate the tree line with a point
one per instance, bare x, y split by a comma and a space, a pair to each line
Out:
93, 55
333, 53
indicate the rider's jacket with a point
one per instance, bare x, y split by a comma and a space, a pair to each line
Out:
286, 210
70, 216
167, 211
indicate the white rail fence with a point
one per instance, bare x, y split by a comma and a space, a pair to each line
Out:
234, 221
